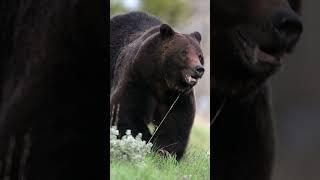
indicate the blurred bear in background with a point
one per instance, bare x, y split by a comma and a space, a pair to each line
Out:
251, 38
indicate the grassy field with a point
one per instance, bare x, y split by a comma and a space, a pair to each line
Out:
194, 166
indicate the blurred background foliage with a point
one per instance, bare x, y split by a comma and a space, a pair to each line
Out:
173, 12
117, 6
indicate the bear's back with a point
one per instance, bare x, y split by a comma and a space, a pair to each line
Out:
122, 29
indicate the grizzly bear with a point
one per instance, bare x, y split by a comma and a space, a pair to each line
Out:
151, 65
250, 40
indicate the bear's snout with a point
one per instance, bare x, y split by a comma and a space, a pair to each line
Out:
199, 70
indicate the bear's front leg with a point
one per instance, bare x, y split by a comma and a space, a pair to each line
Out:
132, 109
173, 134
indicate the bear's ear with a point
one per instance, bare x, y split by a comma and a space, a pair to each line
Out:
166, 31
196, 35
295, 5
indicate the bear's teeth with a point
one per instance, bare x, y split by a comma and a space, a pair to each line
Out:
191, 79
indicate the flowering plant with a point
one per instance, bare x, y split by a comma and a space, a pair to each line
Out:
128, 148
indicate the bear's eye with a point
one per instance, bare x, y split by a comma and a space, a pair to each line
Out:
201, 59
184, 52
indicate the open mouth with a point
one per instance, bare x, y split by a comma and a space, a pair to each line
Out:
253, 53
190, 80
183, 83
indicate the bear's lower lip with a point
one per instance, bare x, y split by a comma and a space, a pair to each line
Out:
258, 55
255, 54
191, 80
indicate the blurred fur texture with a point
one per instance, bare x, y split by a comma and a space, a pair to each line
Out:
52, 99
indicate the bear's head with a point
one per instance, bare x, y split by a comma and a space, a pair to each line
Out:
251, 38
182, 62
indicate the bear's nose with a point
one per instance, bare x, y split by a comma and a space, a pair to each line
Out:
289, 26
199, 71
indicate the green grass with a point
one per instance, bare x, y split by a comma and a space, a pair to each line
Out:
195, 164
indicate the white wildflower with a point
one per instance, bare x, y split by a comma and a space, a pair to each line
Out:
128, 148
